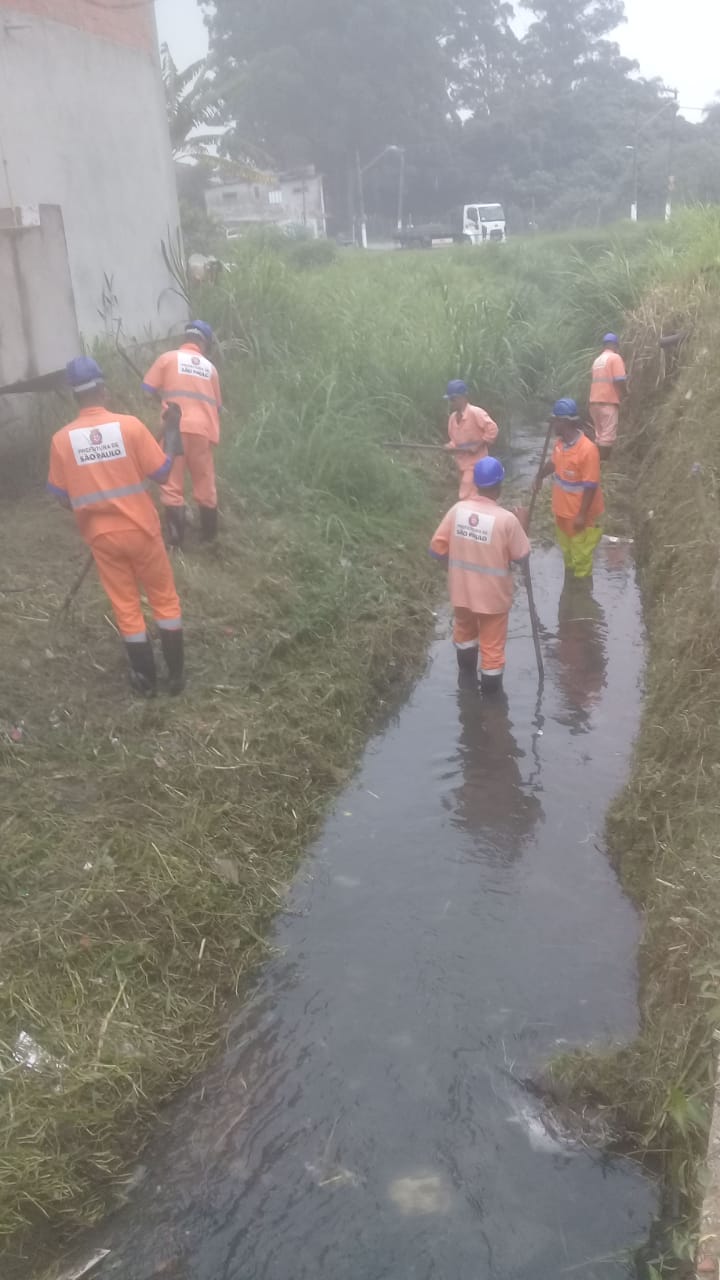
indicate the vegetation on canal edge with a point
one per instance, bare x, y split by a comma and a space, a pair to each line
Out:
146, 846
664, 829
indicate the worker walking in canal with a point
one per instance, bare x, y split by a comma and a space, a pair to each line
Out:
479, 541
470, 431
188, 377
577, 497
100, 465
609, 384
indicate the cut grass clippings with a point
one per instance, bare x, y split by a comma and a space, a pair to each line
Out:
146, 846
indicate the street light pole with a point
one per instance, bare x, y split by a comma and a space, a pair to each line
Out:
361, 200
671, 163
360, 169
401, 190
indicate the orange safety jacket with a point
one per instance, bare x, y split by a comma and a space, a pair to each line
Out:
187, 377
100, 464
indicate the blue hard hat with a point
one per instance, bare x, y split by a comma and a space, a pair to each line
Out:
456, 388
83, 373
565, 408
488, 472
610, 337
200, 329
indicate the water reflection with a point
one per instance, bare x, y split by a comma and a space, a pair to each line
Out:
493, 800
581, 654
362, 1122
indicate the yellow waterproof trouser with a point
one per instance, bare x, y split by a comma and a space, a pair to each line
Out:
578, 550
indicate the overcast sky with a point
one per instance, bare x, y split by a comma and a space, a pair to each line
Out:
678, 43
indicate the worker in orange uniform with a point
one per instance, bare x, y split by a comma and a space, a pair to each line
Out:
100, 465
479, 541
609, 384
470, 431
577, 496
188, 377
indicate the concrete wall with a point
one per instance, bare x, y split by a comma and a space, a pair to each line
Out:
281, 200
34, 339
83, 127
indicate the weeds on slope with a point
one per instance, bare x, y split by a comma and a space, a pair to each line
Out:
665, 827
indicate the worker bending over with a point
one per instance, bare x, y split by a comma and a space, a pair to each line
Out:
609, 384
577, 498
100, 465
470, 431
187, 377
479, 541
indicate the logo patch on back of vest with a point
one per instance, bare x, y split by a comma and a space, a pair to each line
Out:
475, 526
194, 366
98, 444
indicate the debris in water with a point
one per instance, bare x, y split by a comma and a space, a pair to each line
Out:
424, 1193
78, 1272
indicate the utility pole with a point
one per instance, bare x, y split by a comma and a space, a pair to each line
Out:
361, 200
401, 190
671, 163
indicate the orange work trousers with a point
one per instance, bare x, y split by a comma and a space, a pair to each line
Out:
200, 461
467, 481
128, 561
486, 630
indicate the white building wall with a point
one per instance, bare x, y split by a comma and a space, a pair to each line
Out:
83, 126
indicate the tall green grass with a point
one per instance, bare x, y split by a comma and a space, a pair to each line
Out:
325, 363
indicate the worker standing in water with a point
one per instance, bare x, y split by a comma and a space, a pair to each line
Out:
189, 378
609, 384
100, 465
470, 431
479, 541
577, 498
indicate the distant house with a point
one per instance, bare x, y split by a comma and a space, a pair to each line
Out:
289, 200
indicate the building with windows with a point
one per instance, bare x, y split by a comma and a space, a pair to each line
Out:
291, 200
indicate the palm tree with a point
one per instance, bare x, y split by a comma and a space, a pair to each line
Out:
198, 119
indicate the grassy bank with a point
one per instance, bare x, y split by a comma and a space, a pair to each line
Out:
665, 827
146, 846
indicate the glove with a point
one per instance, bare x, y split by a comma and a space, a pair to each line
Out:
172, 436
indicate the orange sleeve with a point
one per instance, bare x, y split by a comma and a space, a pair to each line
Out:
150, 460
440, 545
518, 543
57, 483
154, 380
216, 388
591, 464
488, 430
617, 366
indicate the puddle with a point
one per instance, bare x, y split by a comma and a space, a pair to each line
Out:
456, 922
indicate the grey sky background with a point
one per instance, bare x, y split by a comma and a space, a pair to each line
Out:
678, 44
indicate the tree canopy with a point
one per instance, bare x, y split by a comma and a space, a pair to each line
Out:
531, 103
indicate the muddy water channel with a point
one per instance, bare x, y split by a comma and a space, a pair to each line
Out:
454, 925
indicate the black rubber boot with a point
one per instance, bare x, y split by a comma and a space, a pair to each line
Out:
491, 684
173, 647
143, 675
208, 524
467, 660
175, 527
